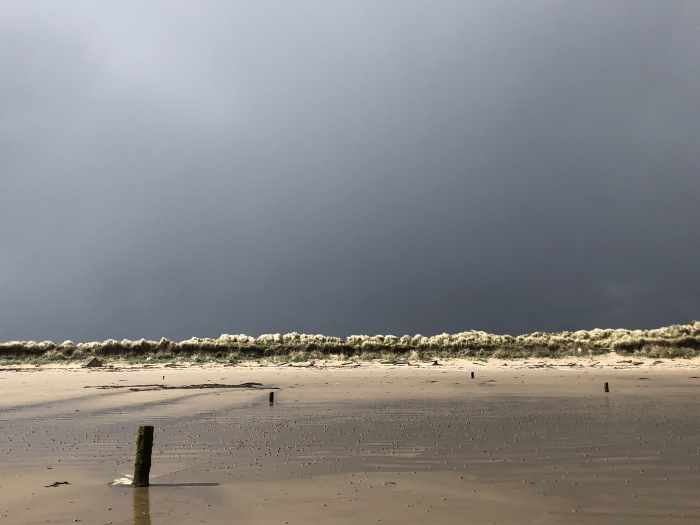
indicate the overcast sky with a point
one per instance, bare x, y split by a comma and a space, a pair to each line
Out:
178, 169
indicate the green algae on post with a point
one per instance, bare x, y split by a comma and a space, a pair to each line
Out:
142, 462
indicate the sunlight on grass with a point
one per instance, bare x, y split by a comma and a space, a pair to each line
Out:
672, 341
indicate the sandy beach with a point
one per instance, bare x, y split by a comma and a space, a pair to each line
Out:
530, 441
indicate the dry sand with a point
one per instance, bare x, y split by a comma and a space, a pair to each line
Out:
534, 441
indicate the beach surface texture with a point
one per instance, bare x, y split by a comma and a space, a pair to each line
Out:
523, 441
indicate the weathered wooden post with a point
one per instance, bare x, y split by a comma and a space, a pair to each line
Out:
271, 397
472, 375
606, 388
142, 462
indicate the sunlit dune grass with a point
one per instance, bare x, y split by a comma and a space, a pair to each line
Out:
667, 342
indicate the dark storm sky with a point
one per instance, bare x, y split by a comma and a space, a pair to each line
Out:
184, 169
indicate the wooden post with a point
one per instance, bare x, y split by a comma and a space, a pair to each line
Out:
606, 388
272, 397
142, 462
472, 375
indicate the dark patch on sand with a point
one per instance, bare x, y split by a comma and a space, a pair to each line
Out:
139, 388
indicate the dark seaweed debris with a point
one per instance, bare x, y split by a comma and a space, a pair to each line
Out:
138, 388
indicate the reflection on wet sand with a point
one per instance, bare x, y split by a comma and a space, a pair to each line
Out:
142, 506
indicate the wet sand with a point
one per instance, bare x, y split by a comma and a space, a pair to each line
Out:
530, 442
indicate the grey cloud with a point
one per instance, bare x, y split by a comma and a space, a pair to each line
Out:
190, 169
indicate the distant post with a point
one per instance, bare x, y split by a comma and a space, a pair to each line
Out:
606, 388
472, 375
271, 397
142, 462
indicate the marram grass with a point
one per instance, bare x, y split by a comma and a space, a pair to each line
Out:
668, 342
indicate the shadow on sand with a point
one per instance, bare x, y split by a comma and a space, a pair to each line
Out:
184, 484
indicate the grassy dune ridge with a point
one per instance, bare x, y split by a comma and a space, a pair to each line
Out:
671, 341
